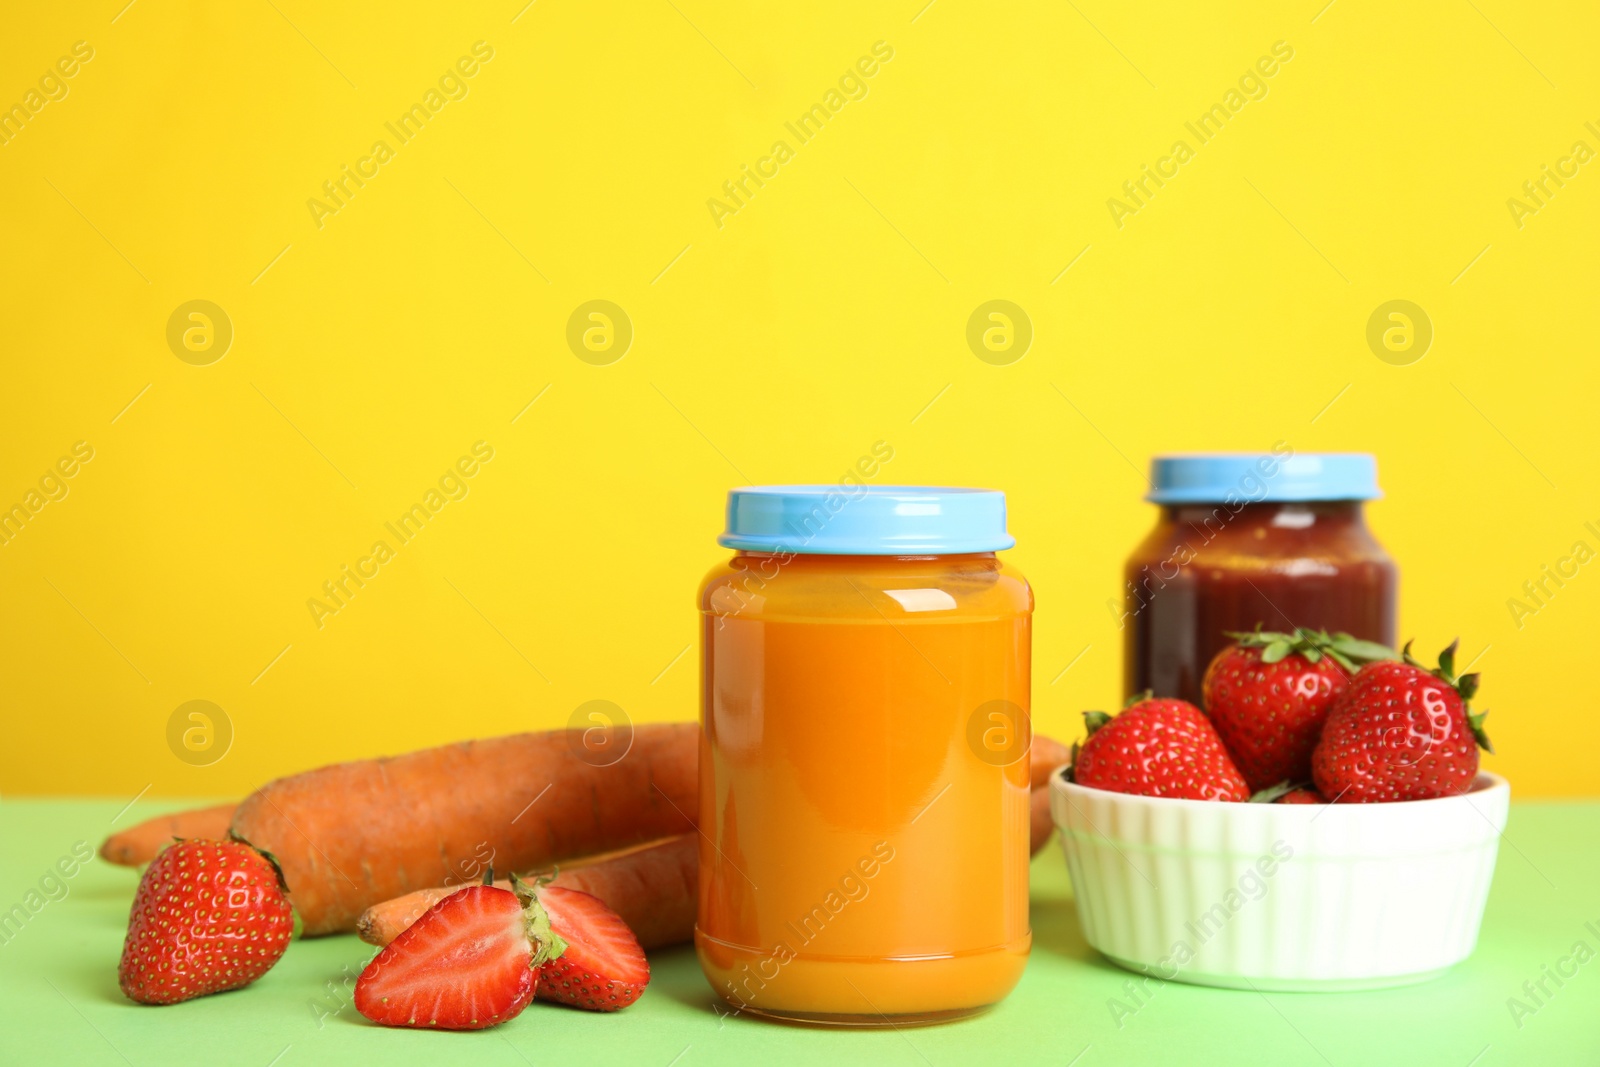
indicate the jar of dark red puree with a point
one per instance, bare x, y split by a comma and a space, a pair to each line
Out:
1274, 539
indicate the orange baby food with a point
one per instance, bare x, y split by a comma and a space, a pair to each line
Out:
864, 784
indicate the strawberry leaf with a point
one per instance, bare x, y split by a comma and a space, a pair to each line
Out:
1476, 722
1092, 721
1344, 661
1447, 660
547, 944
1273, 792
1349, 652
1361, 651
277, 868
1257, 638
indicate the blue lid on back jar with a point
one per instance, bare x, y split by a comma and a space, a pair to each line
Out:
862, 520
1218, 477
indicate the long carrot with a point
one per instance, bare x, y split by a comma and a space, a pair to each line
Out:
651, 888
356, 834
1044, 756
138, 845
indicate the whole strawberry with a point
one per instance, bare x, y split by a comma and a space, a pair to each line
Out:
1269, 693
208, 916
1401, 732
1157, 748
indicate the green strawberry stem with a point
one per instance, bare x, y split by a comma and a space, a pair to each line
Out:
277, 868
547, 944
1273, 792
1093, 720
1349, 652
1466, 685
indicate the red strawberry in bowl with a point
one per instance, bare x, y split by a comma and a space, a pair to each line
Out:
208, 916
1268, 695
470, 962
1157, 748
1401, 732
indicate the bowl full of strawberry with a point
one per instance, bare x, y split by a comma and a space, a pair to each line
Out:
1321, 824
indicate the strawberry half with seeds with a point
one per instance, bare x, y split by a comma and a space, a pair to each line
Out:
208, 916
603, 968
1268, 695
1157, 748
1401, 732
470, 962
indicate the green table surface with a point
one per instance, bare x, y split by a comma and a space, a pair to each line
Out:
59, 1001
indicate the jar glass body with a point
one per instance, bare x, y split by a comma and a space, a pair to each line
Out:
864, 845
1207, 569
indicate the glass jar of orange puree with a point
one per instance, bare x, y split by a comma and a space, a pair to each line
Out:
863, 756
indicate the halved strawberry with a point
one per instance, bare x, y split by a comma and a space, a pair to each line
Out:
471, 961
603, 968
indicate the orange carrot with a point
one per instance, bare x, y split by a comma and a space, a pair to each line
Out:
1041, 824
356, 834
651, 888
1044, 756
138, 845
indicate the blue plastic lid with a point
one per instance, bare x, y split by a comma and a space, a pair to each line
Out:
1218, 476
859, 520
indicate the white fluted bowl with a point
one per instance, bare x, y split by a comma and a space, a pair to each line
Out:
1281, 896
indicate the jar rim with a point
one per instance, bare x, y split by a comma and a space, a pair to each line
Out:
844, 519
1277, 476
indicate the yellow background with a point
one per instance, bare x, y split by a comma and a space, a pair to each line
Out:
370, 353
